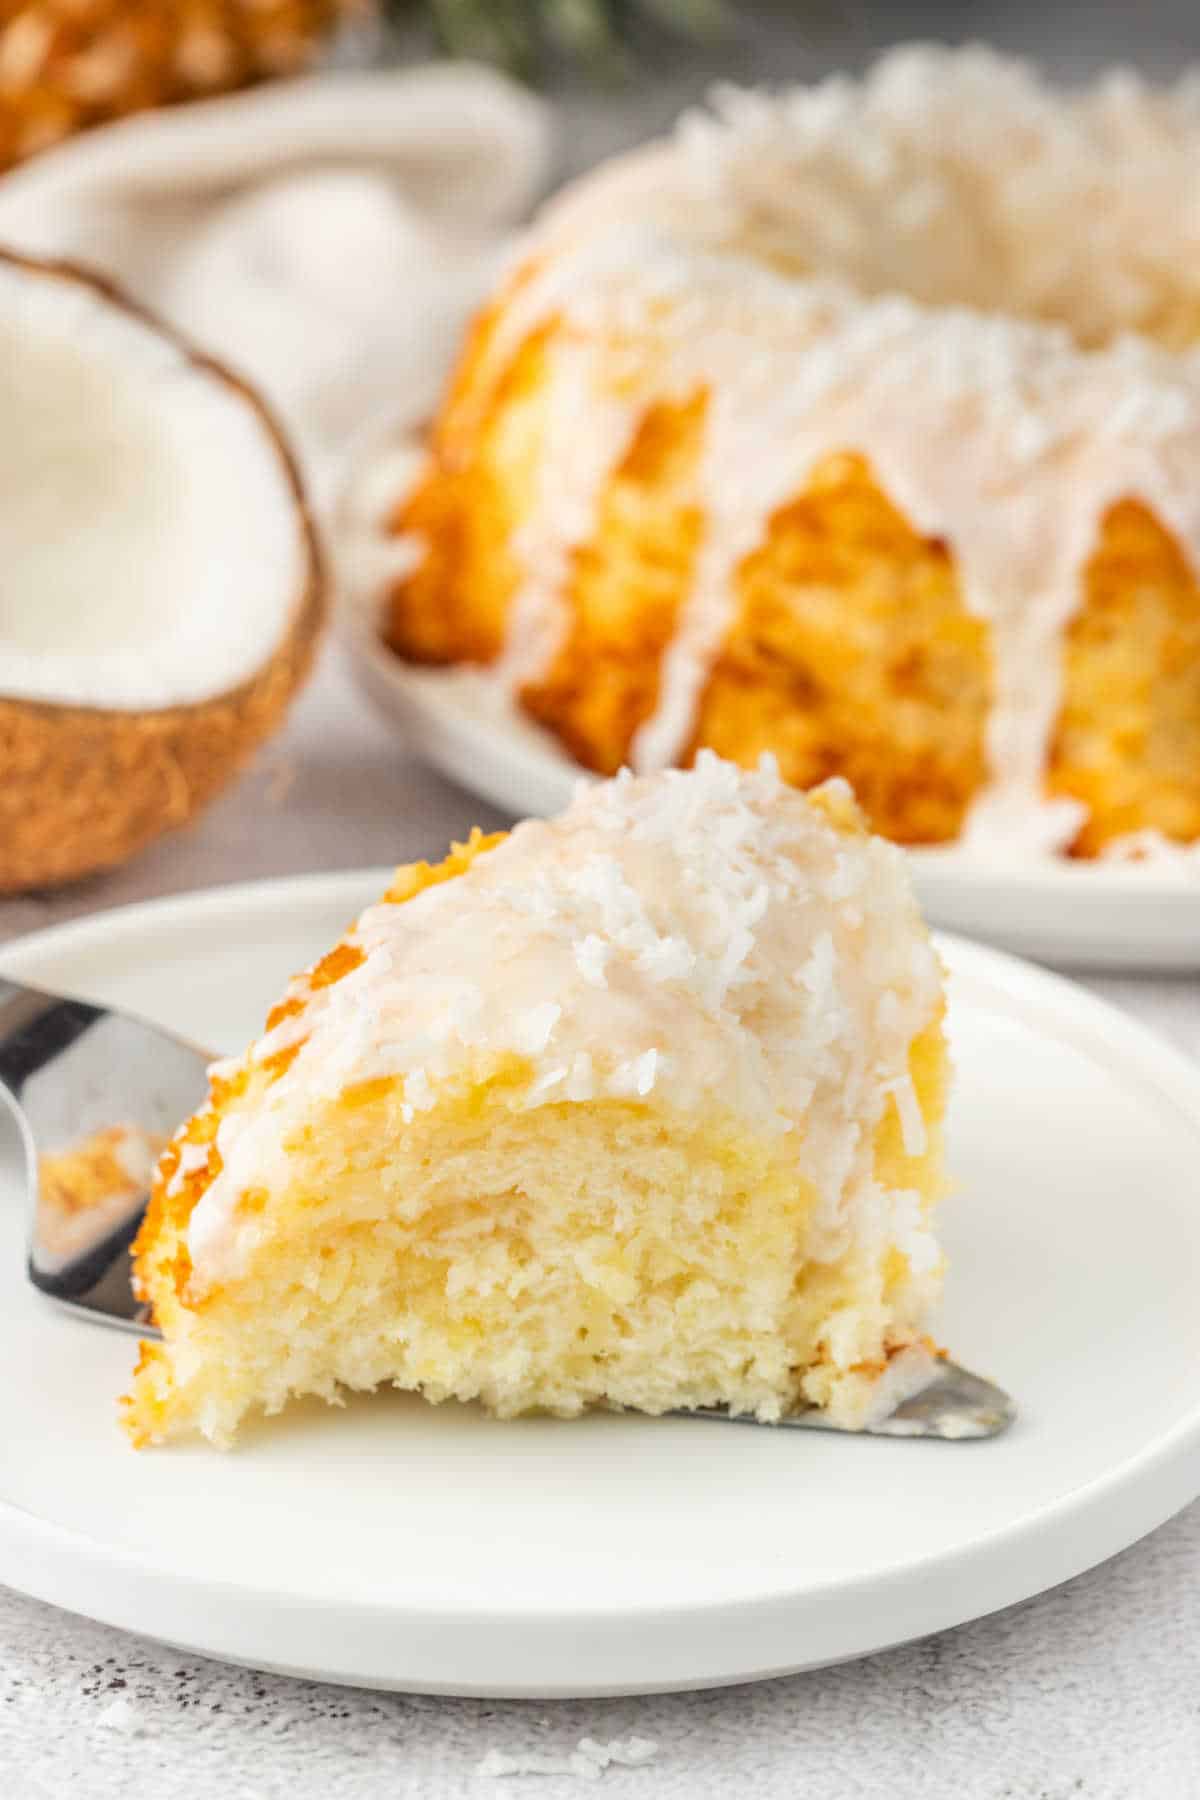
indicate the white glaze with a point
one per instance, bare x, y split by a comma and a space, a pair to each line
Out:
586, 431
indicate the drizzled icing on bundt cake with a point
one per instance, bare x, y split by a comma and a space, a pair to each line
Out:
1001, 437
893, 268
711, 939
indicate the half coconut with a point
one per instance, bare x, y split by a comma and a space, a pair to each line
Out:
160, 583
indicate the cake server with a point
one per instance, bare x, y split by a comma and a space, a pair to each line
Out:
96, 1093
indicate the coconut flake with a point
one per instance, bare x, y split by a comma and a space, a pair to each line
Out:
908, 1111
123, 1717
535, 1028
587, 1762
909, 1231
591, 954
637, 1076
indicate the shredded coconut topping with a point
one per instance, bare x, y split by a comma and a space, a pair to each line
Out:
959, 177
826, 265
736, 972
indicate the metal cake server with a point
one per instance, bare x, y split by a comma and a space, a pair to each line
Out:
96, 1093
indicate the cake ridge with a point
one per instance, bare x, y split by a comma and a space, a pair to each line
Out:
999, 435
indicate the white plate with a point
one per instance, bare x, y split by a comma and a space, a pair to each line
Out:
401, 1545
1076, 915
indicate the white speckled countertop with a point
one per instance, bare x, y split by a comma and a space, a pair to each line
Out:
1092, 1690
1090, 1693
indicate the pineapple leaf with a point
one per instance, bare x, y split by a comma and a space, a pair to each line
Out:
596, 35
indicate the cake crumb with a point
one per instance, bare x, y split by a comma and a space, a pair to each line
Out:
588, 1760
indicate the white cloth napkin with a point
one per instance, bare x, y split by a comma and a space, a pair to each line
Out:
326, 237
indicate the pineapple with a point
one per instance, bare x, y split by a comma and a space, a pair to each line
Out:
68, 64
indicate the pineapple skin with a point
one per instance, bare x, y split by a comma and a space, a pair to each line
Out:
67, 65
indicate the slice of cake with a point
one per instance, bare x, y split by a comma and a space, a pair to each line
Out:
640, 1107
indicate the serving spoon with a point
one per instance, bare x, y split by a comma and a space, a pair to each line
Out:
96, 1093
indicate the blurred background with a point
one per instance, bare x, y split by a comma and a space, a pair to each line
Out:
588, 77
801, 40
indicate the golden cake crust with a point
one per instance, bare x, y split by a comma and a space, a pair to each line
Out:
162, 1266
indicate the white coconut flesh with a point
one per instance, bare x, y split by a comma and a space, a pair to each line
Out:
152, 548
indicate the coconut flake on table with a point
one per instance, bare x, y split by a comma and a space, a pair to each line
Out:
124, 1717
588, 1761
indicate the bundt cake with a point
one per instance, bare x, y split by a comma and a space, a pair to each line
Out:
860, 424
640, 1107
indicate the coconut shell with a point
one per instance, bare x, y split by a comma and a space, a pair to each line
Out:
84, 788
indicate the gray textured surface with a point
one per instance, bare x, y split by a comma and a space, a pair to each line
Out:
1092, 1690
1090, 1693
